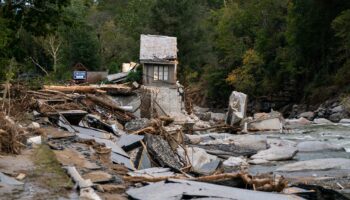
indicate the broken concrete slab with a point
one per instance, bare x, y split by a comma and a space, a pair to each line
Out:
200, 160
98, 176
142, 160
129, 142
237, 108
317, 164
162, 152
276, 153
227, 150
118, 155
153, 172
179, 189
310, 146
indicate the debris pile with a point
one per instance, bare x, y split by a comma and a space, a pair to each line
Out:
106, 148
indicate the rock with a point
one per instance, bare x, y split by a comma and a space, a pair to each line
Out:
217, 117
21, 176
153, 172
194, 139
309, 146
317, 164
161, 152
336, 117
34, 125
322, 121
344, 121
308, 115
34, 140
276, 153
201, 161
237, 108
298, 122
337, 109
136, 124
280, 142
197, 109
235, 162
266, 122
204, 116
258, 161
109, 188
250, 142
98, 176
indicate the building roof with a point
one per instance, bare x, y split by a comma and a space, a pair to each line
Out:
158, 48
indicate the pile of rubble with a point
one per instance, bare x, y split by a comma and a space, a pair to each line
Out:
108, 150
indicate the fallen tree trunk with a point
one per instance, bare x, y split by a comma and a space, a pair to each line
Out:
109, 104
112, 89
72, 89
105, 102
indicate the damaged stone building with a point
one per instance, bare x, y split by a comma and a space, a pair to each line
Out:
158, 56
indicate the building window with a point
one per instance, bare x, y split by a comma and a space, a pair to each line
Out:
161, 73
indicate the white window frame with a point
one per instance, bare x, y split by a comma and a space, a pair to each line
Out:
161, 72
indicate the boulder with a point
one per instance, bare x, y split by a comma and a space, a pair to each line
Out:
276, 153
235, 162
136, 124
194, 139
317, 164
336, 117
310, 146
201, 161
272, 121
298, 122
308, 115
344, 121
337, 109
237, 108
322, 121
34, 125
